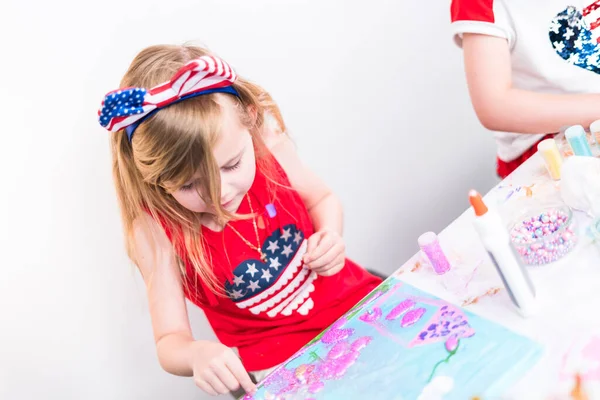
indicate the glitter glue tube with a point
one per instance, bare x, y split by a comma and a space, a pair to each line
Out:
496, 241
578, 141
430, 245
595, 130
551, 155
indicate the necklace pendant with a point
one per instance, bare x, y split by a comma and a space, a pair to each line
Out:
271, 210
263, 256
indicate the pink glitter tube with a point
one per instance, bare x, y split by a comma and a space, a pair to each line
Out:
430, 245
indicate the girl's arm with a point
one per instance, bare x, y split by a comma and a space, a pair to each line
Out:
215, 368
323, 205
326, 249
501, 107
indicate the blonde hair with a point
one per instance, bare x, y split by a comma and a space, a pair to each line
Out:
171, 146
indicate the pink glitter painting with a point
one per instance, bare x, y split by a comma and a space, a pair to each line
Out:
400, 342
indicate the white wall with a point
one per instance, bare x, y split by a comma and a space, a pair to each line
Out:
373, 93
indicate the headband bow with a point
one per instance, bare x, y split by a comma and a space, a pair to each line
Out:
129, 107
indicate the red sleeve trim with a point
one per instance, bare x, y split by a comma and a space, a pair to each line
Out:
472, 10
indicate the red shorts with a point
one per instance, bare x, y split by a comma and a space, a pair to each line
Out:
504, 168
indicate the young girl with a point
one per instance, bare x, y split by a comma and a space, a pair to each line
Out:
218, 208
532, 68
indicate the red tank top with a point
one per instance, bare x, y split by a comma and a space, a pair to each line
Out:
272, 308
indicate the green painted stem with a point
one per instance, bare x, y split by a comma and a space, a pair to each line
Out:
443, 361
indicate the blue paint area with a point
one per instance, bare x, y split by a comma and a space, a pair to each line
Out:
489, 357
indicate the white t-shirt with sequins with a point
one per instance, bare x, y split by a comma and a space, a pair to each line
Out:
553, 44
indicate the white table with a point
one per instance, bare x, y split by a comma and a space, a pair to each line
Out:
568, 291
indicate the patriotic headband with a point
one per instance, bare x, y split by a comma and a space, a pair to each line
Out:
128, 108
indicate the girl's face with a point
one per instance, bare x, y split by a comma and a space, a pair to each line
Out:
234, 154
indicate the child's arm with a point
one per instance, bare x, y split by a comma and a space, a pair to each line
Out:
215, 367
501, 107
326, 249
323, 205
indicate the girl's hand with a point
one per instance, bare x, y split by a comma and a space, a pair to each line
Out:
218, 370
326, 253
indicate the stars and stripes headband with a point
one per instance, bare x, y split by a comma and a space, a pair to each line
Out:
127, 108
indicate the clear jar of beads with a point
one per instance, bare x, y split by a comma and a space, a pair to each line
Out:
545, 235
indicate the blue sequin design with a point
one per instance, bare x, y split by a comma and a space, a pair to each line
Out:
572, 39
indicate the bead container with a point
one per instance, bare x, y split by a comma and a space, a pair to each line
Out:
545, 235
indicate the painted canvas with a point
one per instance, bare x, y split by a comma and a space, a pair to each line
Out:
402, 343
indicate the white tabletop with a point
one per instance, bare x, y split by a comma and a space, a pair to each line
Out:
568, 291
